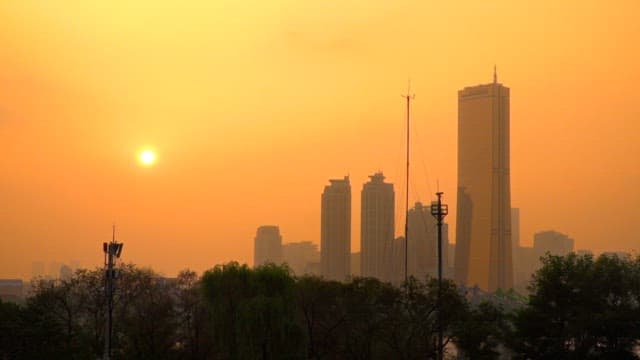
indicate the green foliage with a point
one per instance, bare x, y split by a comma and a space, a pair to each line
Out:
253, 311
581, 308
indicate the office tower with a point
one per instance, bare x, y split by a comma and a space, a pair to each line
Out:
376, 227
267, 246
483, 226
335, 232
300, 255
552, 242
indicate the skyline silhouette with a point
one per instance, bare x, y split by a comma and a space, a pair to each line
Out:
250, 108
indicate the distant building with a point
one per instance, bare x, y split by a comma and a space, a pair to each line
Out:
423, 247
622, 255
515, 229
528, 258
395, 269
483, 224
451, 253
65, 272
553, 242
423, 243
376, 227
267, 245
11, 290
335, 232
300, 255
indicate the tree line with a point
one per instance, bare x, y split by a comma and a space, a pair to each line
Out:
579, 307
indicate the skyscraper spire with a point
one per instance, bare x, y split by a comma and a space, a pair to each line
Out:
495, 74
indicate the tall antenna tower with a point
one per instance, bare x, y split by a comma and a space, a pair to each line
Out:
408, 96
112, 250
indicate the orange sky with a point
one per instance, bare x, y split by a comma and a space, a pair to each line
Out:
253, 105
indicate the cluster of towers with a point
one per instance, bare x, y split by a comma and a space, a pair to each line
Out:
483, 250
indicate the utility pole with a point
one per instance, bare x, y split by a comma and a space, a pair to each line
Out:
409, 97
439, 211
112, 251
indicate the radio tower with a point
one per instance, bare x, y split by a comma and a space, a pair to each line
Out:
408, 97
112, 251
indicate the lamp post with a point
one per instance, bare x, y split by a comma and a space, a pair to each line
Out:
439, 211
112, 251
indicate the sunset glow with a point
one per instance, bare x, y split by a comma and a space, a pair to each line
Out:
191, 123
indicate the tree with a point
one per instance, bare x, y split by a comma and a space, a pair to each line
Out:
253, 311
580, 308
322, 314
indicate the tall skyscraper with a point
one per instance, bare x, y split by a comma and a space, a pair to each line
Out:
335, 232
377, 227
267, 246
483, 226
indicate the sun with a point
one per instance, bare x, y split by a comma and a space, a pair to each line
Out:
147, 157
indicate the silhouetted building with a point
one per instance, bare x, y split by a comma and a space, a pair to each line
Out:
423, 243
422, 254
376, 227
299, 256
483, 231
395, 271
65, 272
267, 246
622, 255
528, 258
515, 229
553, 242
335, 233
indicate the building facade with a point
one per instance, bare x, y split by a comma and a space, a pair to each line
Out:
301, 257
483, 223
377, 227
335, 230
267, 245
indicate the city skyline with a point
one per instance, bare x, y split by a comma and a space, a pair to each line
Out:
250, 107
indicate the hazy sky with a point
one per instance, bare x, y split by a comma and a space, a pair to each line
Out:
252, 106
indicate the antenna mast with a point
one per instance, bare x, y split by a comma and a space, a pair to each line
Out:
408, 97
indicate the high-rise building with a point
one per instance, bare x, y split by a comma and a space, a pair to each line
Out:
377, 227
483, 224
335, 232
267, 246
300, 255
